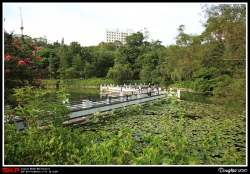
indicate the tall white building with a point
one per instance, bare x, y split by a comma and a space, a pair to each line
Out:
111, 35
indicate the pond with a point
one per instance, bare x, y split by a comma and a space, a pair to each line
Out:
229, 103
195, 97
77, 94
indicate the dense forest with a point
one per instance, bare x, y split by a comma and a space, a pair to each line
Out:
214, 61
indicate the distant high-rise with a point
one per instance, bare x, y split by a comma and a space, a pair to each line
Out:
111, 35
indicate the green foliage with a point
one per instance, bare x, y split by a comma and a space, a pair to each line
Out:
35, 110
145, 74
201, 85
195, 97
206, 73
152, 134
102, 61
111, 46
46, 52
77, 65
119, 73
22, 65
78, 82
52, 65
227, 24
37, 113
135, 40
221, 84
234, 92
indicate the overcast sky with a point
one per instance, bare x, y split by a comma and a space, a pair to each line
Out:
85, 22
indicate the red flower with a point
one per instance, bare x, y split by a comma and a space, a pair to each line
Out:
16, 41
39, 80
38, 48
27, 59
52, 72
21, 63
33, 55
7, 58
38, 59
7, 70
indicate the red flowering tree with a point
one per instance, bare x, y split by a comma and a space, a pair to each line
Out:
21, 65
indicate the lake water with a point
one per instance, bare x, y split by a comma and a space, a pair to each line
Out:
77, 94
195, 97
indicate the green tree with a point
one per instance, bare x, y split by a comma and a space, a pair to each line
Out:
86, 69
21, 65
103, 61
74, 48
120, 73
225, 38
77, 65
110, 46
64, 61
226, 24
52, 66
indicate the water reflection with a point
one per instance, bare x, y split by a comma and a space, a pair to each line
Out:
76, 94
195, 97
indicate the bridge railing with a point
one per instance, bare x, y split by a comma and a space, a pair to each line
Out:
111, 99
